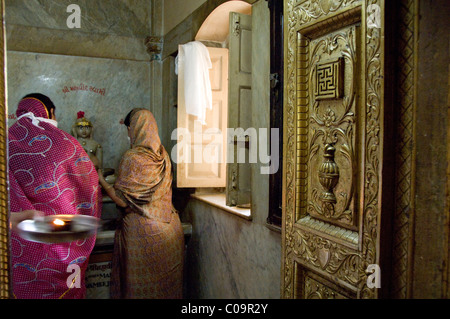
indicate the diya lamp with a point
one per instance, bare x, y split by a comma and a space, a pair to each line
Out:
59, 224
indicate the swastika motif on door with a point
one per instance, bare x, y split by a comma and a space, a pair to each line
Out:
329, 80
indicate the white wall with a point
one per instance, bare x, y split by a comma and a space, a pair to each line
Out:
176, 11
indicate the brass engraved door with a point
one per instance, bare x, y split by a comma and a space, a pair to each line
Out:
333, 148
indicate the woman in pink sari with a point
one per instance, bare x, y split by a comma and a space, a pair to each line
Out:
149, 242
50, 172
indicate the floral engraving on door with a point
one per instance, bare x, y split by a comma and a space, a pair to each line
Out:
332, 126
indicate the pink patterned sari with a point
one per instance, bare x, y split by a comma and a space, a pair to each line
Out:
49, 171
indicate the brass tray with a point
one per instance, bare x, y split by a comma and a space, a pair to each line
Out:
47, 230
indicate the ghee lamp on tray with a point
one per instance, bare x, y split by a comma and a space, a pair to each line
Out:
59, 224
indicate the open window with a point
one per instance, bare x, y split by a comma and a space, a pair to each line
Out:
201, 152
215, 153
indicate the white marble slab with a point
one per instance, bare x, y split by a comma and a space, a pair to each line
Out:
105, 89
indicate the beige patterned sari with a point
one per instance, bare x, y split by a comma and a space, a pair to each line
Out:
149, 241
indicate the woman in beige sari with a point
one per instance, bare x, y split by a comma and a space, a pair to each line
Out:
149, 242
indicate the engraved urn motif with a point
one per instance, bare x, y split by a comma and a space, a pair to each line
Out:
328, 175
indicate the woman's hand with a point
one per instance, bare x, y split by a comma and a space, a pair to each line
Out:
101, 178
109, 189
16, 217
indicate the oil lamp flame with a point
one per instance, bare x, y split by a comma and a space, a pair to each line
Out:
58, 222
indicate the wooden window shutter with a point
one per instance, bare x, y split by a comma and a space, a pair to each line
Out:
200, 150
239, 110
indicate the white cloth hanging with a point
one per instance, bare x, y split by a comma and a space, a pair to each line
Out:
194, 58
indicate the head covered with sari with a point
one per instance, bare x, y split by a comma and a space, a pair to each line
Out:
49, 171
145, 172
